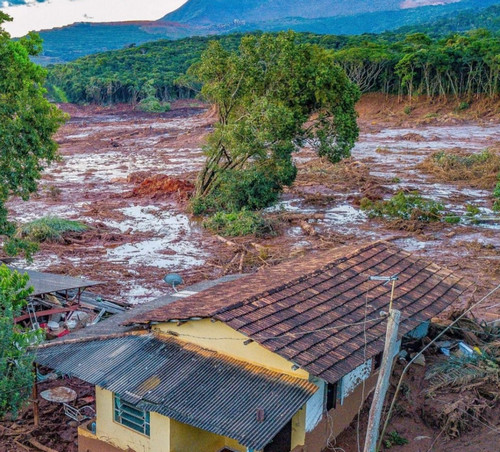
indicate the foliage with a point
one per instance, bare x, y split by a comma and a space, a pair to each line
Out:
16, 375
416, 61
394, 439
264, 95
239, 223
407, 206
153, 105
49, 229
477, 169
78, 40
496, 196
27, 123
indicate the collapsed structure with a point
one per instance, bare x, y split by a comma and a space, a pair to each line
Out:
276, 361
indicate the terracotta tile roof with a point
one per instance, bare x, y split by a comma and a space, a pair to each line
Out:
312, 311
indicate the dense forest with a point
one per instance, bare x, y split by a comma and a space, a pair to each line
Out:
425, 60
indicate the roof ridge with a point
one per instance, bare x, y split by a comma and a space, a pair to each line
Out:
81, 340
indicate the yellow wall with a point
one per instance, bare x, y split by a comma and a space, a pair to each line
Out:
167, 435
222, 338
186, 438
299, 428
125, 438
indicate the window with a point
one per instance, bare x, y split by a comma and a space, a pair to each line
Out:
131, 417
377, 361
332, 391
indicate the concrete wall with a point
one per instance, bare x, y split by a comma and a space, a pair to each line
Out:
338, 419
222, 338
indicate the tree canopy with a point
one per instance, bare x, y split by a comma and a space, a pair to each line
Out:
16, 375
265, 96
27, 122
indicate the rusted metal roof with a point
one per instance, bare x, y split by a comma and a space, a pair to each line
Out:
311, 311
190, 384
44, 283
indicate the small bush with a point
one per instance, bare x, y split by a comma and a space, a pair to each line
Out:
452, 219
407, 206
471, 210
463, 106
153, 105
496, 196
408, 109
239, 223
250, 189
49, 229
394, 439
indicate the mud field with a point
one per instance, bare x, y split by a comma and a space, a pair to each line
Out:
138, 236
128, 176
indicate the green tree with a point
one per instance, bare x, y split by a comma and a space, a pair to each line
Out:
16, 364
265, 96
27, 123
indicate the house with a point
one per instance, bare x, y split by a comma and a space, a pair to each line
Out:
280, 360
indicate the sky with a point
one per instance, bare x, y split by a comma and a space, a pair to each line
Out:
35, 16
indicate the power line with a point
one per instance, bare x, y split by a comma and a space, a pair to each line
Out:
398, 387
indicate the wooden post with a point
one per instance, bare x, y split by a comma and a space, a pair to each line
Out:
34, 396
382, 382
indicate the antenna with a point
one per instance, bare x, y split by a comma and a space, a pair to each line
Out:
174, 280
387, 280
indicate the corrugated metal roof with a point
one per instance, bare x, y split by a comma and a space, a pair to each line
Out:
43, 283
192, 385
326, 296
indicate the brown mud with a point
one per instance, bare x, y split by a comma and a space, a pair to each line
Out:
127, 174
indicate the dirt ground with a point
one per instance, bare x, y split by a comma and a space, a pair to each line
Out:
128, 174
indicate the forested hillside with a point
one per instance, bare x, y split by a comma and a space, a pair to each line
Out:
459, 64
203, 17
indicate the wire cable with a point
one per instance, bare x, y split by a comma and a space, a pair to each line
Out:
398, 387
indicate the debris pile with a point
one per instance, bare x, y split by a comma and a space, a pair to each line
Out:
464, 382
162, 186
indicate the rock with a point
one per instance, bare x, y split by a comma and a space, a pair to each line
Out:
420, 438
420, 360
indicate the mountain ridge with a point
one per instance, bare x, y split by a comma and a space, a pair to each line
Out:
69, 43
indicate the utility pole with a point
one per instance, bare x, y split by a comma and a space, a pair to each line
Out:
34, 396
385, 370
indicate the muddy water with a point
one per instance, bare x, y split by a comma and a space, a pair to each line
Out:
100, 152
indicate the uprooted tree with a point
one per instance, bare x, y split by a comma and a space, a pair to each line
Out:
271, 97
27, 123
16, 375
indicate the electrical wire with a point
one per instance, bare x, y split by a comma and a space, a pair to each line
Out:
403, 373
279, 336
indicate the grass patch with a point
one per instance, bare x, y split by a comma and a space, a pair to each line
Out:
405, 206
241, 223
478, 170
49, 229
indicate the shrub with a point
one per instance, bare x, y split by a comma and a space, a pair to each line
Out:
251, 189
407, 206
239, 223
394, 439
49, 229
153, 105
496, 196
